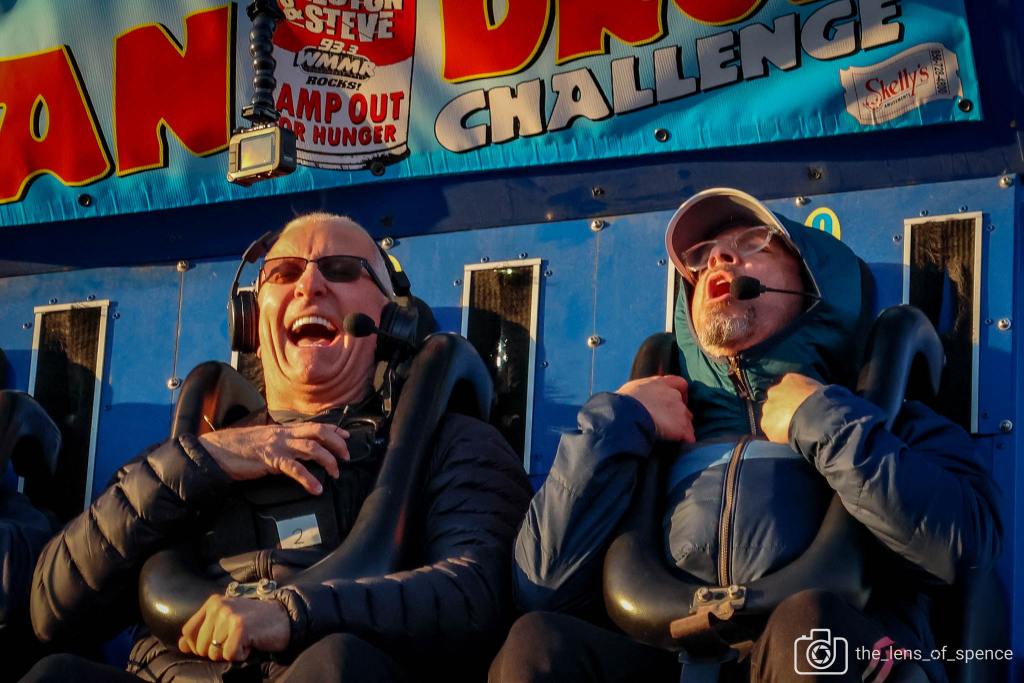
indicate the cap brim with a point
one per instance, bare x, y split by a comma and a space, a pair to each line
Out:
705, 213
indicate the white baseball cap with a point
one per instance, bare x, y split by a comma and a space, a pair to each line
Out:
707, 212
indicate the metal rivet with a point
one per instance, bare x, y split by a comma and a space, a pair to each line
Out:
703, 593
548, 273
457, 283
387, 242
965, 105
801, 201
85, 199
1003, 324
593, 341
991, 228
597, 225
173, 383
91, 297
53, 300
377, 168
924, 212
485, 259
26, 326
597, 191
815, 173
661, 135
1006, 426
897, 238
523, 254
115, 315
544, 364
662, 262
182, 266
988, 321
735, 591
1006, 181
963, 208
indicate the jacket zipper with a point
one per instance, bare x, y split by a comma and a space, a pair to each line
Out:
729, 502
745, 391
731, 484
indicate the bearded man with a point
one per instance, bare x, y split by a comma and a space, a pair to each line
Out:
769, 435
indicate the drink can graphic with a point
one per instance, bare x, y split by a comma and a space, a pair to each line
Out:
344, 73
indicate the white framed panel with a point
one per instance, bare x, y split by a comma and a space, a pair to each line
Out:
534, 264
98, 373
976, 218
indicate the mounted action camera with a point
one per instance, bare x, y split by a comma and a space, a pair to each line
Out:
259, 153
263, 150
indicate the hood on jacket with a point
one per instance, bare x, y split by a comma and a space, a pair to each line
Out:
824, 341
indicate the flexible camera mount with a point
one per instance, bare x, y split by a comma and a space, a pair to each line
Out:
264, 15
264, 150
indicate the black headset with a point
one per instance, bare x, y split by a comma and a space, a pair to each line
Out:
244, 311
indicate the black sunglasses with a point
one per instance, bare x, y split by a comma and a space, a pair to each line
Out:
286, 270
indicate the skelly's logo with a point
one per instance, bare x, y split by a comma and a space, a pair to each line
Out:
904, 82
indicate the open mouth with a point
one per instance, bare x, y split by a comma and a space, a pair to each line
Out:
718, 286
312, 330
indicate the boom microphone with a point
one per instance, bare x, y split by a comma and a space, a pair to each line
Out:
359, 325
745, 287
362, 325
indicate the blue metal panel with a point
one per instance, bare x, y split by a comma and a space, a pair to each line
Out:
135, 405
435, 266
632, 285
204, 333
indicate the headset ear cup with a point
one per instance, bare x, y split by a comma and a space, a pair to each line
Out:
243, 316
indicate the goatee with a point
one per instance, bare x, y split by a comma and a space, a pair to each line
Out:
722, 328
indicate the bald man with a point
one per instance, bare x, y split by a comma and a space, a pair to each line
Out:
441, 619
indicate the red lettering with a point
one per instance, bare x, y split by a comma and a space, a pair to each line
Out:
396, 104
389, 133
718, 12
285, 104
357, 108
309, 105
319, 135
332, 106
300, 131
378, 108
584, 27
477, 45
365, 135
348, 136
159, 86
68, 145
378, 135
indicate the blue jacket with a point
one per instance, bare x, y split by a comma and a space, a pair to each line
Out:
920, 489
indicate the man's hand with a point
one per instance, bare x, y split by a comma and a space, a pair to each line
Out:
254, 452
664, 397
228, 629
782, 402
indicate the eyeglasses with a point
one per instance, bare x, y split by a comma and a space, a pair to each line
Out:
745, 243
286, 270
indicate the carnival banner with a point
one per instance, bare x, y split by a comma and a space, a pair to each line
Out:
117, 106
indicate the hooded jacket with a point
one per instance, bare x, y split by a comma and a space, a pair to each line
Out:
920, 489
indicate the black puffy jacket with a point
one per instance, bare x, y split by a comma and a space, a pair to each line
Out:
86, 581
